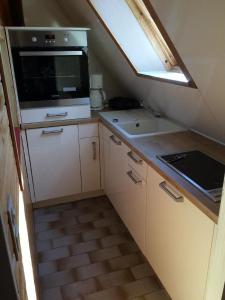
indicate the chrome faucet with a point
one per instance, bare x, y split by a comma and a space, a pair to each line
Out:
154, 112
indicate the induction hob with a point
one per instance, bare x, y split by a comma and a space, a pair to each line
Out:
201, 170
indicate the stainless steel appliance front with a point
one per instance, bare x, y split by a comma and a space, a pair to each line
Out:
51, 67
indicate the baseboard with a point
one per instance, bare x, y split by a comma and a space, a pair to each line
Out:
67, 199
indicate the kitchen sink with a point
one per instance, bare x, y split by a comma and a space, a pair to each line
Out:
140, 123
153, 126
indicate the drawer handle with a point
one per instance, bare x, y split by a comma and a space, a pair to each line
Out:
165, 188
57, 131
112, 137
57, 115
137, 161
94, 150
135, 180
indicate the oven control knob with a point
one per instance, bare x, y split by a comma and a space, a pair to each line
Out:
34, 39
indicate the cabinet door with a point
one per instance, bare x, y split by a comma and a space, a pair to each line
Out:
134, 207
179, 240
117, 173
55, 163
90, 167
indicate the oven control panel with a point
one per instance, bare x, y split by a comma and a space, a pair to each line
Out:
41, 38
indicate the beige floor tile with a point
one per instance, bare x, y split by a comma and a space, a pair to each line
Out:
39, 227
106, 222
57, 279
129, 248
113, 240
73, 262
84, 247
66, 240
91, 270
142, 270
78, 228
49, 234
95, 234
43, 245
47, 218
159, 295
109, 294
104, 254
79, 288
47, 268
113, 279
54, 254
126, 261
140, 287
90, 217
51, 294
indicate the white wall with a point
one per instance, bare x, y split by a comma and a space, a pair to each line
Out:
197, 29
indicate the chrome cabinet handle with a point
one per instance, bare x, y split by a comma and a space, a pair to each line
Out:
57, 115
164, 187
137, 161
94, 150
136, 181
112, 137
57, 131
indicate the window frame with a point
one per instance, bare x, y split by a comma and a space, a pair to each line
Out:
190, 82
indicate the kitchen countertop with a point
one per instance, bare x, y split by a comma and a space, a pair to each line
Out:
149, 147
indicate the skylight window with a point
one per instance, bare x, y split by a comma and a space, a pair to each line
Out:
139, 34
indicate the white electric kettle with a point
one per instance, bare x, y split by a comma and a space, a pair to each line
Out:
97, 95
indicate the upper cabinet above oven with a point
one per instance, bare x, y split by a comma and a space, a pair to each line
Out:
50, 66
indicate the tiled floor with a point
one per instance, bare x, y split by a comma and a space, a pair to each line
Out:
86, 253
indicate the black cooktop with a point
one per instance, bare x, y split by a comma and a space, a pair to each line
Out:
199, 168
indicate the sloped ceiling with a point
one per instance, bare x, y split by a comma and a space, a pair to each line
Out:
197, 29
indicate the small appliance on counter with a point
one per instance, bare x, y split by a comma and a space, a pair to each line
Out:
97, 95
122, 103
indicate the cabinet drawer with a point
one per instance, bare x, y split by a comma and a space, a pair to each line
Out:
90, 167
178, 240
88, 130
137, 163
55, 162
55, 113
106, 132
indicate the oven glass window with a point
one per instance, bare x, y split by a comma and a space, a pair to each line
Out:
46, 75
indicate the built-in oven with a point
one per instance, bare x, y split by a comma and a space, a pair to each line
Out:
50, 67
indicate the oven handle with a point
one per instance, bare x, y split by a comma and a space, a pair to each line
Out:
50, 53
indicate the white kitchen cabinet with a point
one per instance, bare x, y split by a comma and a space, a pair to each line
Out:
178, 240
90, 165
89, 157
134, 206
55, 162
115, 164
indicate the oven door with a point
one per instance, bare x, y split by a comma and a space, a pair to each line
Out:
49, 77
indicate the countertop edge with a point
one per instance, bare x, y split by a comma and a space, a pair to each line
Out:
188, 194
